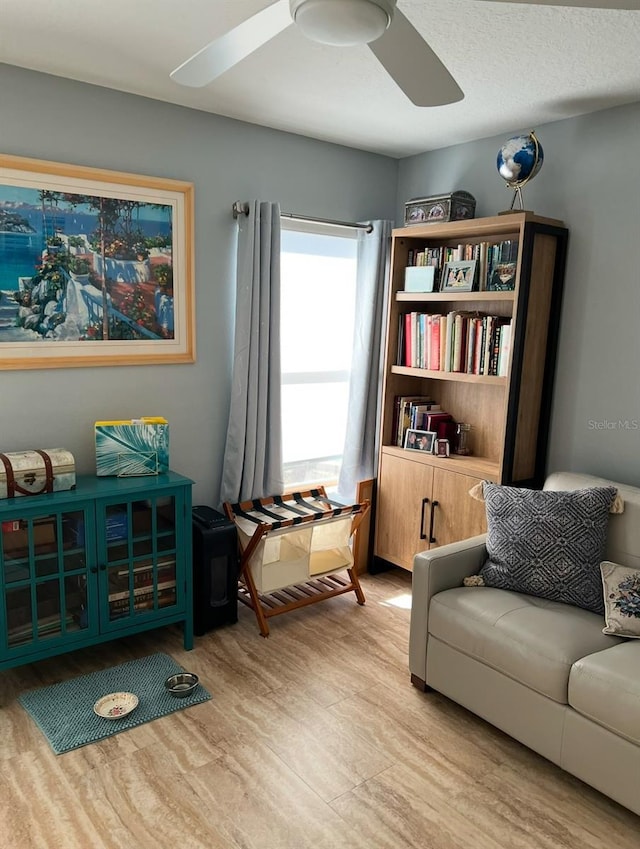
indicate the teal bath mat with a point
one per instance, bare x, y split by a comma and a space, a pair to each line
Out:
64, 712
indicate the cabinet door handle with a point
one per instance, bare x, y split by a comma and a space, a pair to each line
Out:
425, 501
433, 515
103, 567
93, 570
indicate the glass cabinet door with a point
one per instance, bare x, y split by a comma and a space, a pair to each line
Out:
138, 575
43, 571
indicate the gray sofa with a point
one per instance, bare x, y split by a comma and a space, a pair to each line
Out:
541, 671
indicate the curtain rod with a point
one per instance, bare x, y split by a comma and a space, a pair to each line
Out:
240, 208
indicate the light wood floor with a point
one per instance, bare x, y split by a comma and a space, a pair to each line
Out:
314, 739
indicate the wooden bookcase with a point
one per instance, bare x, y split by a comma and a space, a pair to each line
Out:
110, 558
422, 499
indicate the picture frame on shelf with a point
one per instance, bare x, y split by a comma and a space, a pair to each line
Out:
96, 267
503, 277
442, 448
459, 276
420, 440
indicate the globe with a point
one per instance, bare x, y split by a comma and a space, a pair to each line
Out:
519, 159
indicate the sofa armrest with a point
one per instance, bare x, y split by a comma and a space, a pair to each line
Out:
434, 571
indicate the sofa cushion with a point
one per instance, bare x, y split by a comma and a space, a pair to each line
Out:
621, 589
547, 544
605, 687
532, 640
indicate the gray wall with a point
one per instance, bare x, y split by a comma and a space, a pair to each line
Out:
50, 118
590, 179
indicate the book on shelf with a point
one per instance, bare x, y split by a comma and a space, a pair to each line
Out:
147, 566
46, 626
477, 344
434, 343
142, 591
147, 579
436, 419
122, 599
418, 414
505, 350
472, 325
146, 602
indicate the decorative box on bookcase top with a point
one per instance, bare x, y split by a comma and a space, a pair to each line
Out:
455, 206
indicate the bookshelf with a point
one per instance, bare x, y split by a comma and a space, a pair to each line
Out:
422, 498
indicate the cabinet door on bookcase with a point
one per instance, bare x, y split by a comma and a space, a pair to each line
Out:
454, 515
404, 499
44, 560
138, 563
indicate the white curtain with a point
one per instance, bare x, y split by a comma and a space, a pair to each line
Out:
252, 466
361, 444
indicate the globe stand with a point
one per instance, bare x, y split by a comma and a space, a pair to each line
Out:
517, 195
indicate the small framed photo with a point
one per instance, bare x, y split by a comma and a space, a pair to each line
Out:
459, 276
442, 448
420, 440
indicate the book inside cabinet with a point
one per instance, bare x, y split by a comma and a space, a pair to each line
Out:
481, 354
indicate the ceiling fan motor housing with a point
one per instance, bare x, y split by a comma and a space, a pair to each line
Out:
342, 23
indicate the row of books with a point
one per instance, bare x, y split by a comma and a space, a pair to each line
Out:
413, 412
47, 626
457, 342
148, 565
142, 591
437, 256
495, 264
121, 607
144, 575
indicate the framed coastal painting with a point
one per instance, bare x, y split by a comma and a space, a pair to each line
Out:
96, 267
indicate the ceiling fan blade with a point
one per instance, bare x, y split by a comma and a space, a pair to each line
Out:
632, 5
225, 52
409, 60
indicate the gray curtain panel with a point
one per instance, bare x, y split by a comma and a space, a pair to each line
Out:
361, 444
252, 465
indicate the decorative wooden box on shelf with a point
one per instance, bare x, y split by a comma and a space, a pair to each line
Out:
422, 499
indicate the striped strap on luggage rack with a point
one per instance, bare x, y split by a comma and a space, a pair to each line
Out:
261, 515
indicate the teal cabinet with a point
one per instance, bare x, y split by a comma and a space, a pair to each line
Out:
108, 559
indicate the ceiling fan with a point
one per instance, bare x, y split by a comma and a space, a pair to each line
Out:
392, 39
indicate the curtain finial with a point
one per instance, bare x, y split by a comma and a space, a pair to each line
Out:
240, 208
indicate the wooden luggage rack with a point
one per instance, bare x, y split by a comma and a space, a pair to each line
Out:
292, 548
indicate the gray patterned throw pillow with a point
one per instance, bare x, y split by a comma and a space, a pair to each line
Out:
547, 544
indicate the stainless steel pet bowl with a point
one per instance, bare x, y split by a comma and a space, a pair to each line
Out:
181, 685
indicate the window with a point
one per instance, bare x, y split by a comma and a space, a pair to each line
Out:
318, 278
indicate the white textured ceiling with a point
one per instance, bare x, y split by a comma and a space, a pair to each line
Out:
519, 65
